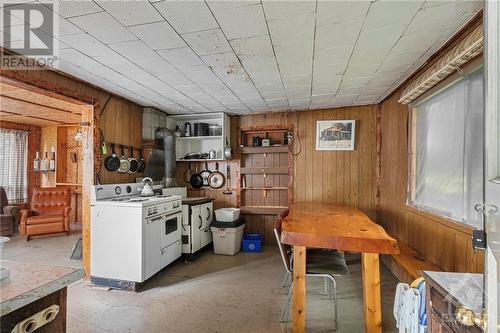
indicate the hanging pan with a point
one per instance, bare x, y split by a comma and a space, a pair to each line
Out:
196, 180
216, 178
134, 164
124, 163
205, 173
188, 173
112, 163
141, 163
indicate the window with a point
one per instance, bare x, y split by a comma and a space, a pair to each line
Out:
447, 146
13, 164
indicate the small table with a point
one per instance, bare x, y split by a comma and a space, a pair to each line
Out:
32, 288
327, 226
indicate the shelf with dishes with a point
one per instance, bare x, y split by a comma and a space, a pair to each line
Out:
204, 134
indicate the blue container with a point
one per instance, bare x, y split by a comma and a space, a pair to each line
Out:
252, 243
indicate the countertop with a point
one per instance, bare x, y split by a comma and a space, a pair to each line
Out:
461, 289
30, 282
192, 201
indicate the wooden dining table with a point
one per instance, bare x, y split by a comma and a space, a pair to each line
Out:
328, 226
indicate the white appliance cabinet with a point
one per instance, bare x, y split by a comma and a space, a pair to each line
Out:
196, 221
200, 144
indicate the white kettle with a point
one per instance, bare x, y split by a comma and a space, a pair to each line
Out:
146, 189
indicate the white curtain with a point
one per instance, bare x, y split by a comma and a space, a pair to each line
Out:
13, 164
449, 170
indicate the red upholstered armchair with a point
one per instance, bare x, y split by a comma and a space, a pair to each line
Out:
48, 213
8, 215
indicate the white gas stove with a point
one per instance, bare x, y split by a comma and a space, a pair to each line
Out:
132, 237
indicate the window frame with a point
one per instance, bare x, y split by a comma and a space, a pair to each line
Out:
467, 69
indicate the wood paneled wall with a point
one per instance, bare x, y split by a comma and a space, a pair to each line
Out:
340, 177
121, 123
444, 243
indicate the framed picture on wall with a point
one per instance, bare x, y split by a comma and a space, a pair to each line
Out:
335, 134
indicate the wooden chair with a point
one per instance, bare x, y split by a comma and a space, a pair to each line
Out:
320, 263
48, 213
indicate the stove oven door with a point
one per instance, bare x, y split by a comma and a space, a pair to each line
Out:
171, 229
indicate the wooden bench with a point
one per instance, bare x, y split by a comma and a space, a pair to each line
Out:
407, 263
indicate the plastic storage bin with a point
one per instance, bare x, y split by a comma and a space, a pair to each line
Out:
227, 214
227, 236
252, 243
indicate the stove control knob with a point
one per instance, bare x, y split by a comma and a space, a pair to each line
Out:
150, 210
155, 210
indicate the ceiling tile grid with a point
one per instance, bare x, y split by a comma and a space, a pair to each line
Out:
250, 56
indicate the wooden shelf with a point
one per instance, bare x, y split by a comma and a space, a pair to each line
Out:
210, 137
265, 188
201, 160
259, 171
262, 210
264, 150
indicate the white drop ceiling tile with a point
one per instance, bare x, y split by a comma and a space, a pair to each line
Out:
65, 27
207, 42
388, 13
281, 30
340, 35
218, 5
181, 57
87, 44
283, 9
103, 27
117, 63
341, 11
324, 90
332, 56
298, 53
131, 12
158, 35
253, 46
135, 51
187, 16
242, 22
73, 8
256, 65
226, 61
380, 39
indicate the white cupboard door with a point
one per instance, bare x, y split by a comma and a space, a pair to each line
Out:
153, 247
207, 213
196, 225
491, 205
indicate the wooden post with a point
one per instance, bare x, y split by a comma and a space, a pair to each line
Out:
371, 292
90, 165
299, 289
